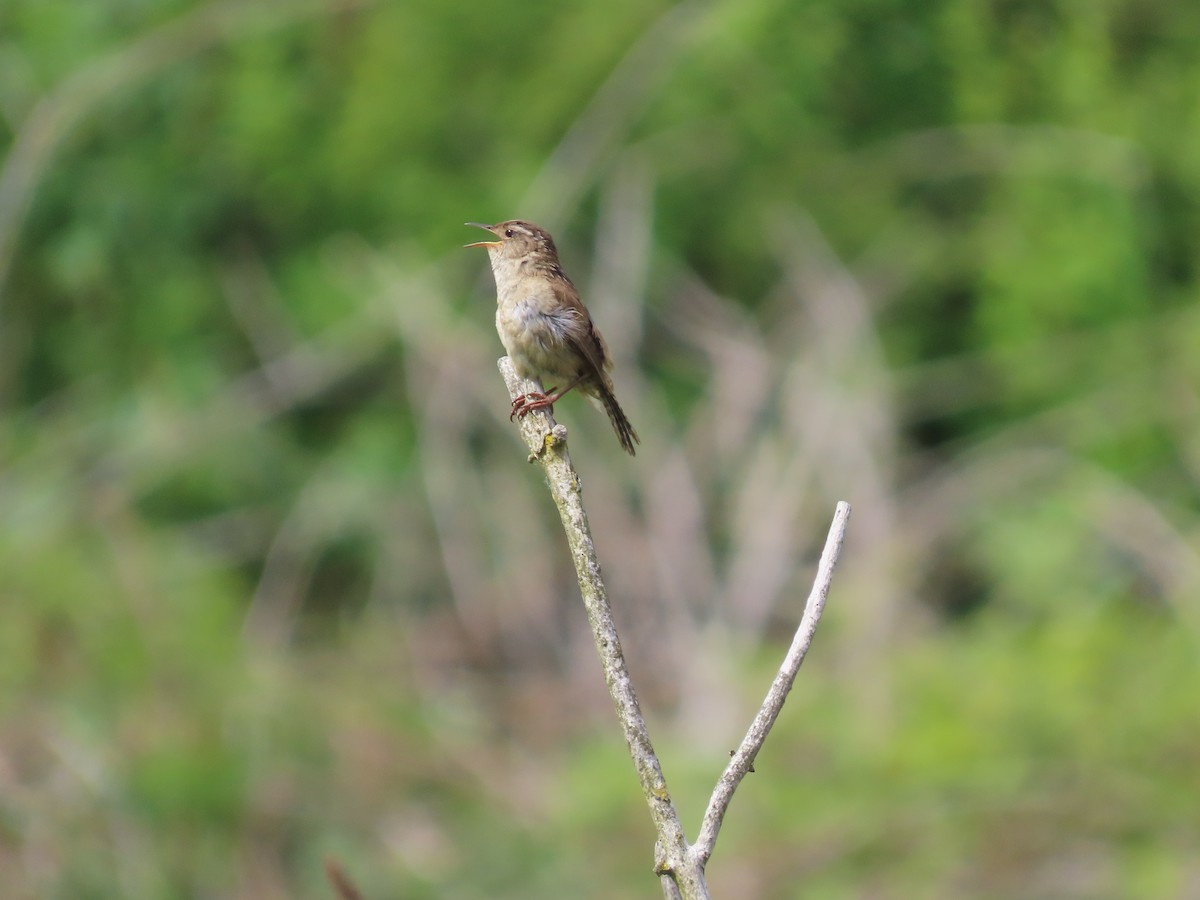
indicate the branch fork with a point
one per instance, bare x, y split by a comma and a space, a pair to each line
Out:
679, 865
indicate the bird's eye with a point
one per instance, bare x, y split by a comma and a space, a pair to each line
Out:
508, 232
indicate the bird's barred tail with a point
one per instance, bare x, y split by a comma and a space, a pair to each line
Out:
620, 422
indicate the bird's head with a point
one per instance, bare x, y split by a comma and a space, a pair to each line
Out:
516, 240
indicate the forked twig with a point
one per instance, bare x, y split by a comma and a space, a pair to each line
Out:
679, 865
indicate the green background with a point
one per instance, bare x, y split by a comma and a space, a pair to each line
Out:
278, 585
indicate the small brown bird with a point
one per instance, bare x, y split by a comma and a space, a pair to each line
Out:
544, 326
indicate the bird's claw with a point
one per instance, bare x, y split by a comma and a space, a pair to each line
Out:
527, 403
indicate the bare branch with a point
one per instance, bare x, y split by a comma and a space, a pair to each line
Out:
548, 445
680, 867
743, 758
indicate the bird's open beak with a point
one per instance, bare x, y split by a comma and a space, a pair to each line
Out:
482, 243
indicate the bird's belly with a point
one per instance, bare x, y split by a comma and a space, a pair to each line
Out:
535, 341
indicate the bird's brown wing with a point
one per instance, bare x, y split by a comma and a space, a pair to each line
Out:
596, 361
593, 352
582, 336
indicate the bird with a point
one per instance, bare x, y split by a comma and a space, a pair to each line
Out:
544, 326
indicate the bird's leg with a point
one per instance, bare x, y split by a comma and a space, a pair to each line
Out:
527, 403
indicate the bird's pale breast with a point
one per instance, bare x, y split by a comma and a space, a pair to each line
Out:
533, 330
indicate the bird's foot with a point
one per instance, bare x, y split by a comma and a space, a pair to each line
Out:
527, 403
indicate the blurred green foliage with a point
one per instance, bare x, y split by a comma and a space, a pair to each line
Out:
277, 584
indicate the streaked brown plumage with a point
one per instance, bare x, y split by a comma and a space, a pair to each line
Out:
544, 326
